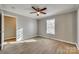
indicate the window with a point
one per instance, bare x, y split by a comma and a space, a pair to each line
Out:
51, 26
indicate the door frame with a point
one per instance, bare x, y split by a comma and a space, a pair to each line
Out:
3, 27
0, 30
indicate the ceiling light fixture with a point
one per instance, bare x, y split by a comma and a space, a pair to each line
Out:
38, 13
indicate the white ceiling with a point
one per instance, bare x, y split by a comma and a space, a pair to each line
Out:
52, 9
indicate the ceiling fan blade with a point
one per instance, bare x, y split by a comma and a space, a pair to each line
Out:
43, 12
34, 8
32, 12
43, 9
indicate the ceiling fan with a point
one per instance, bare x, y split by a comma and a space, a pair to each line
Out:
38, 11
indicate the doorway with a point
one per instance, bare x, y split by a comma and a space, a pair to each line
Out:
9, 29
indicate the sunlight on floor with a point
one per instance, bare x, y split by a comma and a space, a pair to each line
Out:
30, 40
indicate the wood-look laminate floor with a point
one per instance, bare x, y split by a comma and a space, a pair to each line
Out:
10, 40
39, 45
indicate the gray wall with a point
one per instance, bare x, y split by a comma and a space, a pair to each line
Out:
65, 27
25, 27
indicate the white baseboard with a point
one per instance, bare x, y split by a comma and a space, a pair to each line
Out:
50, 38
59, 40
29, 37
77, 45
